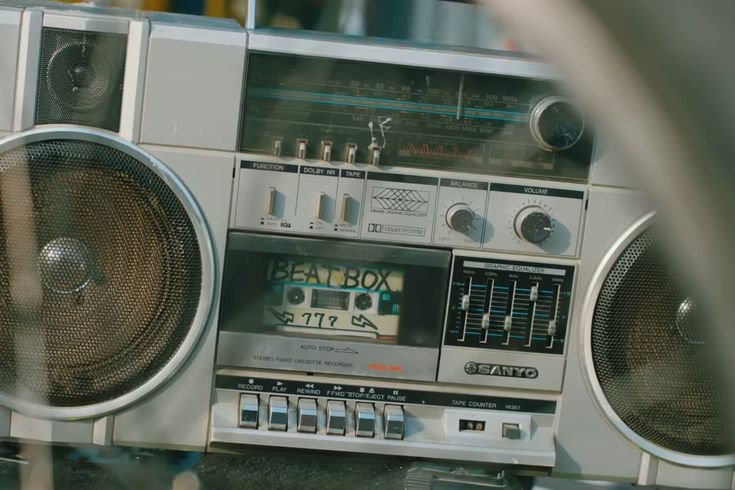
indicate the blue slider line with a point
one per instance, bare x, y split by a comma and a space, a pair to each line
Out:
452, 108
399, 109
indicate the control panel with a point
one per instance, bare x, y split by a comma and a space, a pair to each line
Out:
428, 207
256, 408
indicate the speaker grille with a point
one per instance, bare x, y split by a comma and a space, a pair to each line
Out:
119, 267
81, 78
649, 356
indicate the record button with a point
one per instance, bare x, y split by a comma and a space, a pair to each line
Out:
364, 420
249, 411
336, 417
277, 413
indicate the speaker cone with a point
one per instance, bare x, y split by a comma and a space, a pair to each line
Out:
80, 79
649, 359
105, 273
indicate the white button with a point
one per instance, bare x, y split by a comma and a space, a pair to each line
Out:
277, 413
465, 302
364, 420
394, 421
326, 151
301, 148
336, 416
306, 415
249, 411
351, 153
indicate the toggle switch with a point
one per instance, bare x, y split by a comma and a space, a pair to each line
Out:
301, 148
249, 406
326, 151
270, 201
277, 147
344, 215
319, 208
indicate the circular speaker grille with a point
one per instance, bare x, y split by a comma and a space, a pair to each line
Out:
100, 278
649, 357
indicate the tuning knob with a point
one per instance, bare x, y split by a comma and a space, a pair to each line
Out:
533, 224
556, 124
460, 217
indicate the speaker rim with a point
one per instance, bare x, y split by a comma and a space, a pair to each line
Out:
205, 307
606, 263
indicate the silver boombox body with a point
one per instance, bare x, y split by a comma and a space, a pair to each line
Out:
400, 250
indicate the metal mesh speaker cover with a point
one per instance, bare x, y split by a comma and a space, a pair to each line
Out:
649, 356
116, 260
81, 78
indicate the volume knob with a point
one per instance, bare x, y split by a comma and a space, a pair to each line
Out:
460, 217
533, 224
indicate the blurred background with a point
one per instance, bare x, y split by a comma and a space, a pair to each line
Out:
445, 22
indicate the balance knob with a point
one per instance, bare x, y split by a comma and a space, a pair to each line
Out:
460, 217
533, 224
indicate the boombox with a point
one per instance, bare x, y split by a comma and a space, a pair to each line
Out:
214, 239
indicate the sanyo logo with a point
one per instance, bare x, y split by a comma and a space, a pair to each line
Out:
486, 369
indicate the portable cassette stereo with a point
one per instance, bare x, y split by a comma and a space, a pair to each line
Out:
216, 238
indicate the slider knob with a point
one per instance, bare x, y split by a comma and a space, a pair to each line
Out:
533, 224
460, 217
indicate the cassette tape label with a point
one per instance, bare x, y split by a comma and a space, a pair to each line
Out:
335, 297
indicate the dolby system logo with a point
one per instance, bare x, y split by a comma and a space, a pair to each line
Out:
487, 369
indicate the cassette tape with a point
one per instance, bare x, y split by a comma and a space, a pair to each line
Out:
334, 298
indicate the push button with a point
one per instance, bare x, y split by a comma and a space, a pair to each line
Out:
336, 417
249, 411
393, 422
277, 413
306, 415
364, 420
512, 431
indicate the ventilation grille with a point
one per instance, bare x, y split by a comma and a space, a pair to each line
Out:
81, 78
650, 359
100, 275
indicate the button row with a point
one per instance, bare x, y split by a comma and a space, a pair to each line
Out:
336, 416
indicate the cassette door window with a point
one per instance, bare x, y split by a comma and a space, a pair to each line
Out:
306, 287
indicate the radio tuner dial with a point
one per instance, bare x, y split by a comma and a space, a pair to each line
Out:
460, 217
533, 224
556, 124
